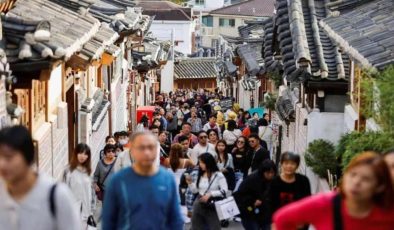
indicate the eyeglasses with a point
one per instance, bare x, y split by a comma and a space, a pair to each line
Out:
203, 137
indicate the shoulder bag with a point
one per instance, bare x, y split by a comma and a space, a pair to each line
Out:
100, 194
210, 204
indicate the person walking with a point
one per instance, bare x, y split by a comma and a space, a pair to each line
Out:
239, 154
195, 122
31, 200
213, 136
143, 196
265, 133
225, 164
365, 200
288, 186
256, 155
211, 124
231, 134
77, 177
252, 197
104, 170
187, 131
202, 147
210, 184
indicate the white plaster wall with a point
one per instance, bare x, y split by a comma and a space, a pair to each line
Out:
167, 77
55, 88
208, 6
183, 32
350, 119
328, 126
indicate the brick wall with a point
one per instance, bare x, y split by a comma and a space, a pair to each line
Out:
59, 130
43, 136
97, 140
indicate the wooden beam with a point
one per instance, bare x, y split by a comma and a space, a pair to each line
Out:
107, 59
77, 63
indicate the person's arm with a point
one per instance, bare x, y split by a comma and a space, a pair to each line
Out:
67, 216
223, 188
174, 214
230, 161
305, 211
110, 206
118, 165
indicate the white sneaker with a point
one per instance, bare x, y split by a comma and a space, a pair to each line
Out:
237, 219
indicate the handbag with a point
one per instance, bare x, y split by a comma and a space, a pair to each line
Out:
100, 194
210, 204
226, 208
91, 223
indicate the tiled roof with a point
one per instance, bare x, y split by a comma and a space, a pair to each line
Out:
306, 51
96, 46
366, 33
165, 10
255, 8
38, 29
252, 29
248, 55
195, 68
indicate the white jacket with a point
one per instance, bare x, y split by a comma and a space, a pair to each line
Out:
80, 184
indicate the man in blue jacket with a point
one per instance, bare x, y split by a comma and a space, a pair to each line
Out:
143, 196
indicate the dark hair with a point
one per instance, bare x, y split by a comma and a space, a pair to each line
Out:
109, 147
123, 133
262, 122
201, 131
213, 115
265, 114
210, 164
246, 148
254, 129
81, 148
225, 153
108, 137
19, 139
154, 127
267, 166
290, 156
144, 120
182, 138
119, 146
176, 153
243, 116
156, 119
231, 125
254, 135
209, 131
116, 135
186, 123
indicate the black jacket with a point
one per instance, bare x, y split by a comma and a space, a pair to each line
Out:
253, 188
254, 159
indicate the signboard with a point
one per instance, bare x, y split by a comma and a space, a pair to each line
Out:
226, 104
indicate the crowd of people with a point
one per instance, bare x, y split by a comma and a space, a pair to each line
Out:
173, 168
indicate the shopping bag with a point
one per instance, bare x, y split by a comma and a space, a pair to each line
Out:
226, 208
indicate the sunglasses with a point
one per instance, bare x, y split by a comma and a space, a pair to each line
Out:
241, 142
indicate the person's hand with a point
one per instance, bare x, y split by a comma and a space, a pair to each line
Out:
97, 188
205, 198
258, 203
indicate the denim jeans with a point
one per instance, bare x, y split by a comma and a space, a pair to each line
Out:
238, 180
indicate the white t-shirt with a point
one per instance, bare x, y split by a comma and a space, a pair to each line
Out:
198, 150
33, 211
231, 136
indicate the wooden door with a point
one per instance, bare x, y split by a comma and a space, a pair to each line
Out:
72, 120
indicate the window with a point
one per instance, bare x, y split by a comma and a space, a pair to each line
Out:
224, 22
200, 2
207, 21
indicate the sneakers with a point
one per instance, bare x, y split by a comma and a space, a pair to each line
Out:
237, 219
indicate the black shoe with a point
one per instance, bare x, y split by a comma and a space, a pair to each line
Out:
224, 223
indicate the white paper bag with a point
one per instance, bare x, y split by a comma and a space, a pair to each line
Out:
226, 208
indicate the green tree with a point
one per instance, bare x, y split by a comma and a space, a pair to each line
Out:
320, 156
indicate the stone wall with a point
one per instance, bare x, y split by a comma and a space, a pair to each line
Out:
43, 136
118, 106
97, 140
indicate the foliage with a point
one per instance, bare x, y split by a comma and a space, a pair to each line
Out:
276, 77
179, 2
378, 96
269, 101
354, 143
320, 156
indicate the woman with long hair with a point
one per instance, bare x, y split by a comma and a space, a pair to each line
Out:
104, 170
225, 164
77, 177
239, 153
365, 200
213, 136
210, 184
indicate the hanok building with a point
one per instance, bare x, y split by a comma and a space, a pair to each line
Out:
40, 37
195, 73
365, 31
315, 74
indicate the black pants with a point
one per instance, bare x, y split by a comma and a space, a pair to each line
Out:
204, 218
